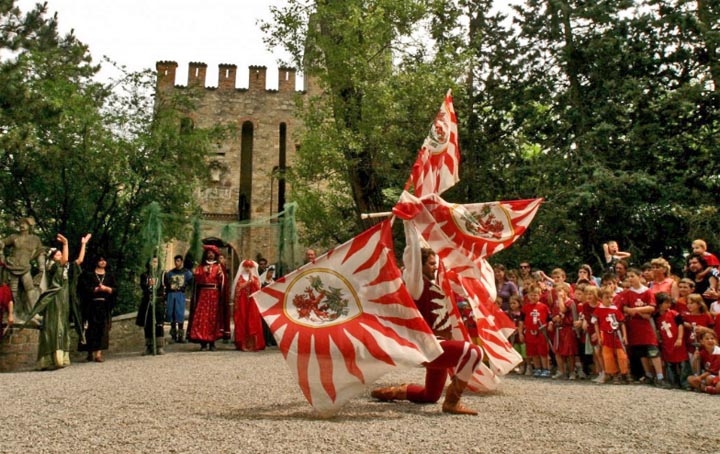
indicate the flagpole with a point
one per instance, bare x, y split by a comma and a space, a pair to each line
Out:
383, 214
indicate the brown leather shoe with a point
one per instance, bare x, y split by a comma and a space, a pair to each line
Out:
390, 393
452, 403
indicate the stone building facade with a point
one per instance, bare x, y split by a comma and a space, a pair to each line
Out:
245, 181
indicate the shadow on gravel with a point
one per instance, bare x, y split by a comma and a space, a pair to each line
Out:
354, 411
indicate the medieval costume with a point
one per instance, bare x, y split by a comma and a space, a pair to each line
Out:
97, 291
248, 322
206, 323
54, 307
459, 357
152, 291
176, 282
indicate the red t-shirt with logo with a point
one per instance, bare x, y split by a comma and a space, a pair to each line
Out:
702, 319
668, 327
639, 328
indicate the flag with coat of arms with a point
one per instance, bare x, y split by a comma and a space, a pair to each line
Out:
346, 319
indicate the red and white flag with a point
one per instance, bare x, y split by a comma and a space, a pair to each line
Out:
483, 229
437, 166
346, 319
474, 281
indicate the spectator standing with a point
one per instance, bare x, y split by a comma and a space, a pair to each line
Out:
151, 313
671, 329
206, 323
609, 324
536, 316
176, 281
661, 279
97, 290
248, 322
505, 287
638, 305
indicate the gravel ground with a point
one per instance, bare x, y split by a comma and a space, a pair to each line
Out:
230, 402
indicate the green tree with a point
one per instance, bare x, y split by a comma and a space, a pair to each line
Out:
608, 110
82, 157
381, 87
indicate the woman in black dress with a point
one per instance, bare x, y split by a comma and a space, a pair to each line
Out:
97, 291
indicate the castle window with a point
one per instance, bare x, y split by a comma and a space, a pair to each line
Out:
282, 163
246, 169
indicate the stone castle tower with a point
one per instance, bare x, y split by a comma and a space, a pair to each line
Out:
245, 181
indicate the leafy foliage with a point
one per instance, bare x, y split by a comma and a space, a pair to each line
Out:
608, 109
82, 157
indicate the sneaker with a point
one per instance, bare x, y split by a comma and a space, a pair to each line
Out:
572, 376
557, 375
545, 373
537, 373
661, 384
628, 379
600, 378
529, 371
617, 380
644, 381
581, 374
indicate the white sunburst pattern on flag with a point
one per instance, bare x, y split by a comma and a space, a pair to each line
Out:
437, 167
346, 319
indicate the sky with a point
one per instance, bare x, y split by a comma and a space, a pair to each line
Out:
138, 33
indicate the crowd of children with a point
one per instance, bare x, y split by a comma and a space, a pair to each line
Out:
632, 325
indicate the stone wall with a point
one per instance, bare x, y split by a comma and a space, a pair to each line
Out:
270, 115
18, 349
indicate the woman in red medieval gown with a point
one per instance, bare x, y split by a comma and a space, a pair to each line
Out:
248, 322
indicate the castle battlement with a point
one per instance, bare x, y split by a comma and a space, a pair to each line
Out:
227, 75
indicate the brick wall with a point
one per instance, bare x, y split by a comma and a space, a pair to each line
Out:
18, 349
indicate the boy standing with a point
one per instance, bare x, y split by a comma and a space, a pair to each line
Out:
638, 304
536, 316
672, 331
608, 320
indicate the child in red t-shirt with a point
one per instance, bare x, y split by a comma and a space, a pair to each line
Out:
707, 360
566, 348
592, 298
638, 305
685, 287
700, 247
608, 321
535, 318
695, 320
672, 351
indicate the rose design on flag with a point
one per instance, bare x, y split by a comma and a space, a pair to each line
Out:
491, 222
320, 297
439, 133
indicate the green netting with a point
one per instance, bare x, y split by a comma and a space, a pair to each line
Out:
286, 239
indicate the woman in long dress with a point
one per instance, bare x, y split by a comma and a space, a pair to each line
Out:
248, 322
97, 292
54, 306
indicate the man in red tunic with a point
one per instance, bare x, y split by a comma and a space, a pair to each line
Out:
462, 357
208, 297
